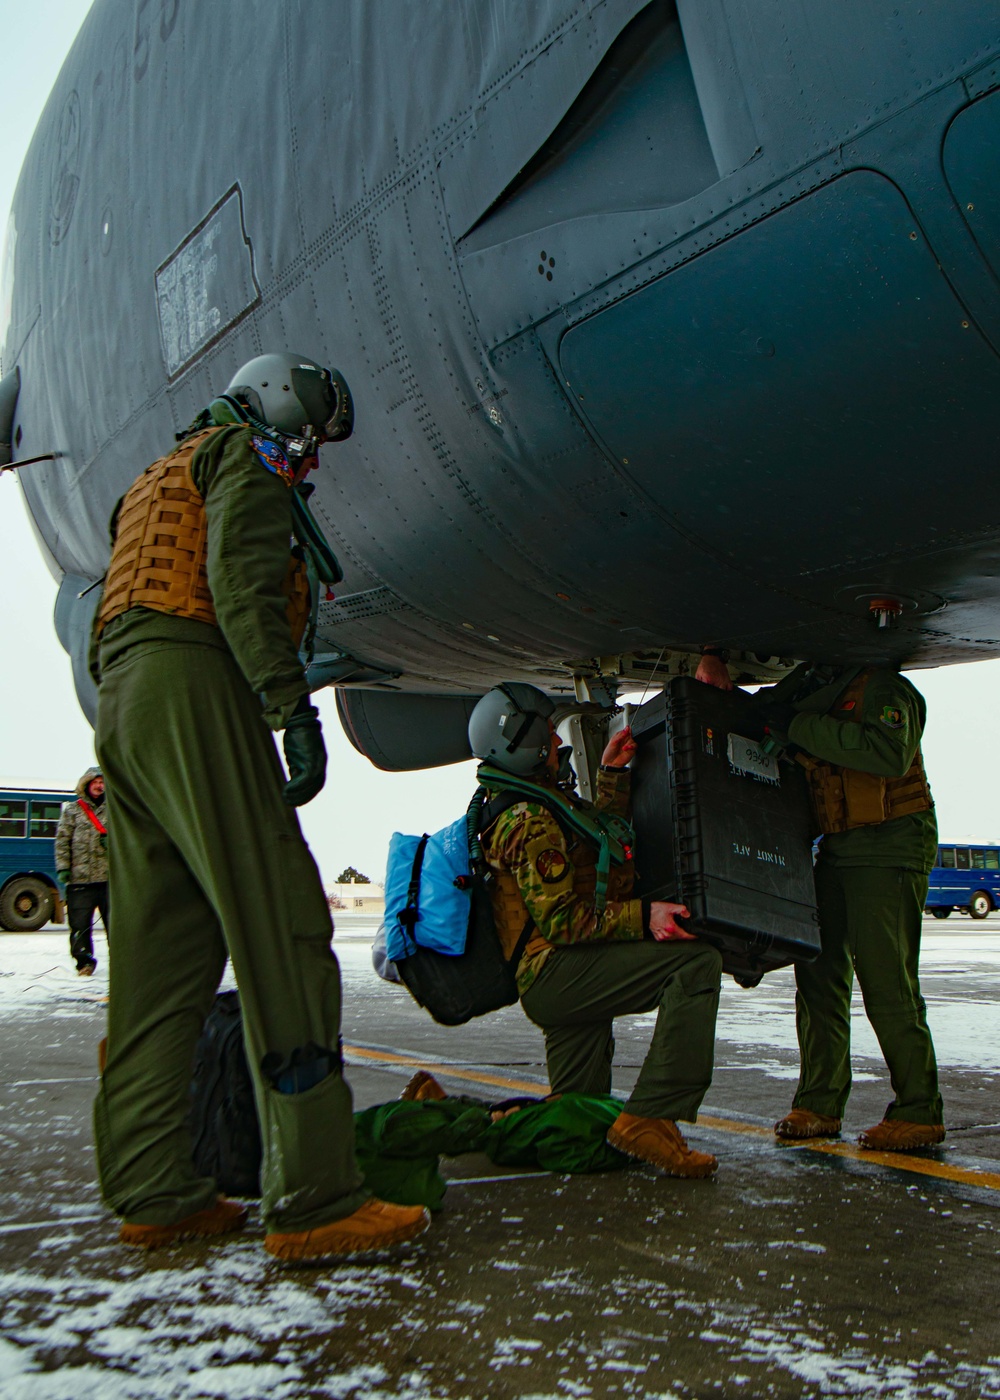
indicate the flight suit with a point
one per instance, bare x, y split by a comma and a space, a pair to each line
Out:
871, 885
208, 860
583, 967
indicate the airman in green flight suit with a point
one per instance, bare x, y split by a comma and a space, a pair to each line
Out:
857, 732
591, 954
197, 638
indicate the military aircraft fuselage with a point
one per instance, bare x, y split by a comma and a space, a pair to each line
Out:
665, 324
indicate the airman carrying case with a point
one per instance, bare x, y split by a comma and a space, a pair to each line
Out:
724, 828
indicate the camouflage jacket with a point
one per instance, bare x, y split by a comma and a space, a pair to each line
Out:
80, 847
542, 874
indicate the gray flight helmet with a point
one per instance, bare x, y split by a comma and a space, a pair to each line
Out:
509, 728
295, 395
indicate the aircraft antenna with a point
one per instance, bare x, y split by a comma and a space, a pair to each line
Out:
29, 462
649, 678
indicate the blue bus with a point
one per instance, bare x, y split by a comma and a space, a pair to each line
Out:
29, 890
966, 878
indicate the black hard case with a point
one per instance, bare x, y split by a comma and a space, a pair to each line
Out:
735, 849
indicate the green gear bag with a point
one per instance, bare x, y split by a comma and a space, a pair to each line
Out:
398, 1145
568, 1134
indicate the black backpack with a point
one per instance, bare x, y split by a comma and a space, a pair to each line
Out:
480, 980
225, 1130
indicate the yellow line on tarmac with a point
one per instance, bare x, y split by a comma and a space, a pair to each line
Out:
831, 1147
733, 1125
519, 1086
901, 1161
897, 1161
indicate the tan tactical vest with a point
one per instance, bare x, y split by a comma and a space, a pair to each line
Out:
510, 913
843, 798
159, 559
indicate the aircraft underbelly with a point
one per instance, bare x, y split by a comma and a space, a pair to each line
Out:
972, 168
768, 404
812, 382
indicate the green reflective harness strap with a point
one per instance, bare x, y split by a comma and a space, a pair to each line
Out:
603, 871
611, 834
321, 567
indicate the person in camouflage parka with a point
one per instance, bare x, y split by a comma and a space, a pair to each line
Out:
82, 866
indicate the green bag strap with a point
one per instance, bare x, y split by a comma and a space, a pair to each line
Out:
313, 541
593, 825
603, 871
321, 563
611, 834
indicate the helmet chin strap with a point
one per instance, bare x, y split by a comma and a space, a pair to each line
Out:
565, 776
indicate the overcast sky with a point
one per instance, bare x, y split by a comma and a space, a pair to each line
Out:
43, 734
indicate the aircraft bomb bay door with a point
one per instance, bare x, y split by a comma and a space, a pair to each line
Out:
815, 375
972, 165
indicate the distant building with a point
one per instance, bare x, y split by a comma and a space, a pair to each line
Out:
358, 899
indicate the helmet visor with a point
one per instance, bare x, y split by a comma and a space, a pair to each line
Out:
326, 400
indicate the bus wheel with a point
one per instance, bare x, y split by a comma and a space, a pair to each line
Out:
940, 912
980, 905
26, 903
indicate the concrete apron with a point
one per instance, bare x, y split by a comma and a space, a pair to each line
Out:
801, 1271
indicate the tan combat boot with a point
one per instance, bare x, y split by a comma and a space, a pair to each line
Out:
375, 1225
659, 1142
893, 1135
421, 1087
802, 1123
223, 1218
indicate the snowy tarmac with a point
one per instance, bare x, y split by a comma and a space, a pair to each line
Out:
794, 1273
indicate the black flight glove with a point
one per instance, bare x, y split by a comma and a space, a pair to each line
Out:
305, 754
776, 716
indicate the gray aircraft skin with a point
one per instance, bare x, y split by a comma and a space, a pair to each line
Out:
666, 324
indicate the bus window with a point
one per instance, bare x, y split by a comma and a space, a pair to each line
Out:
946, 858
961, 859
993, 860
13, 817
44, 819
978, 860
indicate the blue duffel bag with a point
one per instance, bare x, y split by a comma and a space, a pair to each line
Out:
429, 883
440, 935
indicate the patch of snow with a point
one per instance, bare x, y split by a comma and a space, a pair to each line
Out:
205, 1330
13, 1362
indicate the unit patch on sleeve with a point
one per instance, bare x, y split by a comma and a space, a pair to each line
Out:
551, 866
273, 458
893, 717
